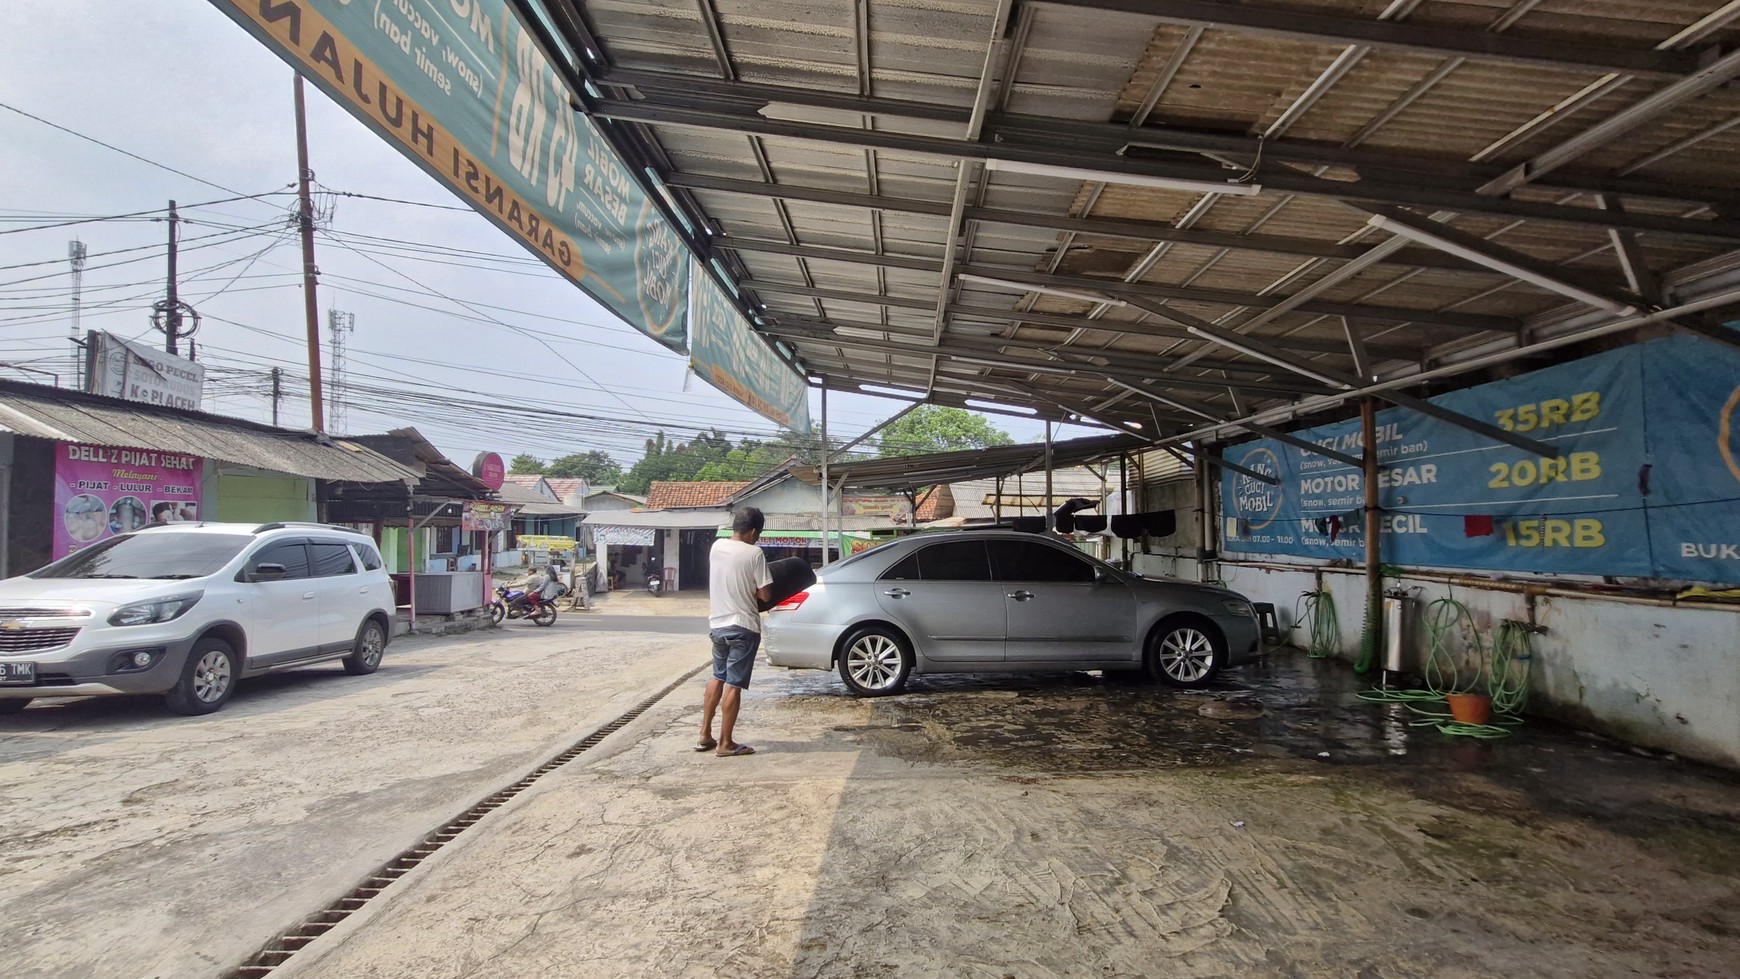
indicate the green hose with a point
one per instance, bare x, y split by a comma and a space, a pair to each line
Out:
1504, 673
1319, 616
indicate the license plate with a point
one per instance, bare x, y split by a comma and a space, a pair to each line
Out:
17, 674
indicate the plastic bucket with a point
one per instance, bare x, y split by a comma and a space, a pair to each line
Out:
1470, 708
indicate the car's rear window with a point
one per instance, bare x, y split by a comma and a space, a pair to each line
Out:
152, 554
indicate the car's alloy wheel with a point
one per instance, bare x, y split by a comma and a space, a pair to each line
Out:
1187, 656
875, 662
207, 679
371, 645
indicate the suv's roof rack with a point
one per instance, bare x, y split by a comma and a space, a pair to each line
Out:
304, 524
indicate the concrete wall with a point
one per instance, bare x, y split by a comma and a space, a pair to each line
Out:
248, 497
1175, 555
1663, 677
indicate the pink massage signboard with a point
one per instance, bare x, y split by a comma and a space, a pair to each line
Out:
101, 491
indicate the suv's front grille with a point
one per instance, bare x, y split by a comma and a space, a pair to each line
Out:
44, 613
30, 640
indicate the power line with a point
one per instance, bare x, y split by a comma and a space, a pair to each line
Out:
117, 149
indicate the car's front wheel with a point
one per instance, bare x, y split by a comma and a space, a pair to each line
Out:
208, 678
875, 661
371, 644
1185, 653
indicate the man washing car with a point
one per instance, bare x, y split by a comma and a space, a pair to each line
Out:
740, 588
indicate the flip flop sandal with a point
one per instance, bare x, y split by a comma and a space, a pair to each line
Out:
741, 749
706, 746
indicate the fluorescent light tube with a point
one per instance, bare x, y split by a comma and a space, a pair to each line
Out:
994, 406
1271, 359
1497, 264
1132, 179
1014, 286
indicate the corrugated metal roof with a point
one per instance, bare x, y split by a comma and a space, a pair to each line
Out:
660, 519
910, 472
844, 127
68, 416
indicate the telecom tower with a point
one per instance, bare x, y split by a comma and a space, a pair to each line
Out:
75, 253
338, 326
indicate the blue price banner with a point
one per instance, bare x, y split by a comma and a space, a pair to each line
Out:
726, 351
1645, 483
467, 93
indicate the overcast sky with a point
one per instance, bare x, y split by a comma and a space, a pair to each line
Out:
443, 301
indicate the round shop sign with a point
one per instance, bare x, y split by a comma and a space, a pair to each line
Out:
488, 468
1253, 499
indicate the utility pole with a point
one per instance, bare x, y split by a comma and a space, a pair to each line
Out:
277, 391
175, 318
338, 324
75, 253
305, 219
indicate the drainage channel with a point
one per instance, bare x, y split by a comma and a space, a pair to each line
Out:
280, 949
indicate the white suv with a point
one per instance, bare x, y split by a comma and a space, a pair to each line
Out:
186, 610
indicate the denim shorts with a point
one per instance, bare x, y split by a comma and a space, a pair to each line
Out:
734, 654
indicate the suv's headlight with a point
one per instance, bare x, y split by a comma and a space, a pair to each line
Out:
1237, 607
156, 610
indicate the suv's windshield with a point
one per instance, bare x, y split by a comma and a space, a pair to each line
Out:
153, 554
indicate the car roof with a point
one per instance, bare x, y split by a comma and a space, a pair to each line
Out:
253, 529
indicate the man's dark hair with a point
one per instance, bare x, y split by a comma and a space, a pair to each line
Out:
747, 519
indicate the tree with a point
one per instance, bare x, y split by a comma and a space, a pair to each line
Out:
596, 467
932, 428
666, 460
526, 464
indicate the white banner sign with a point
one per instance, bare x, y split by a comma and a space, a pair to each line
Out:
134, 372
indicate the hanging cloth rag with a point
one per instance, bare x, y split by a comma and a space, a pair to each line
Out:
1029, 525
1093, 524
1477, 526
1127, 526
1334, 527
1162, 523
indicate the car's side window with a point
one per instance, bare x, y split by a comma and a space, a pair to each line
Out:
371, 559
1017, 560
293, 555
955, 561
331, 559
906, 569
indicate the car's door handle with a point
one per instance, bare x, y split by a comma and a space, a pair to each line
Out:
362, 591
1021, 596
897, 593
308, 596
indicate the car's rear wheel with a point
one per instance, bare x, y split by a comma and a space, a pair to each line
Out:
371, 645
1185, 653
13, 706
875, 661
545, 615
208, 678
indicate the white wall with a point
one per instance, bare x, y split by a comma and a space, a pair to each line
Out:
1663, 677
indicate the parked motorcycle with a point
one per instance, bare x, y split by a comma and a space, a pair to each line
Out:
521, 603
655, 583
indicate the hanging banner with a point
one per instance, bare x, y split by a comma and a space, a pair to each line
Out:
490, 517
727, 353
1643, 485
101, 491
131, 371
465, 91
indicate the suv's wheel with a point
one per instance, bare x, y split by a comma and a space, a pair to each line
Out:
875, 661
1185, 653
208, 678
371, 643
13, 706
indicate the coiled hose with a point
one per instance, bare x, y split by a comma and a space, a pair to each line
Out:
1317, 610
1504, 673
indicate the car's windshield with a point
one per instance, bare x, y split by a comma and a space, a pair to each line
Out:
152, 554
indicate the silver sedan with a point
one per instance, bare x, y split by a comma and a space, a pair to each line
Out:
1003, 602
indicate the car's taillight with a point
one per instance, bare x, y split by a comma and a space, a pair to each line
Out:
793, 603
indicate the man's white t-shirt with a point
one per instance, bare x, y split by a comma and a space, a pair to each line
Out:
735, 571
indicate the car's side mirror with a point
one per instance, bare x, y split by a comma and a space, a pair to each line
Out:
267, 572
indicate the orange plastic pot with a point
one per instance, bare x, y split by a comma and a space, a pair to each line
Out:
1470, 708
